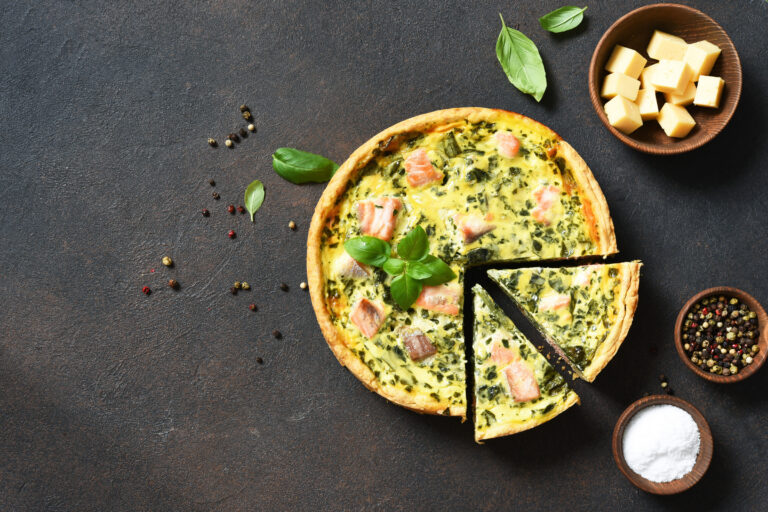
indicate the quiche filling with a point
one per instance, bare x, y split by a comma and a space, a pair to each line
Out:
576, 308
515, 387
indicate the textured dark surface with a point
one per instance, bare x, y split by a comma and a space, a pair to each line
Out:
113, 400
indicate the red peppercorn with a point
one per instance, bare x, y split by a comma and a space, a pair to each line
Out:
252, 307
231, 233
146, 290
718, 312
704, 311
694, 325
206, 212
241, 209
231, 208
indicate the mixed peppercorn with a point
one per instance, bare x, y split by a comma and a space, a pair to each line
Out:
720, 335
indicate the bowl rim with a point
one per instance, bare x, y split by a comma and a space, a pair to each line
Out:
703, 459
657, 149
762, 340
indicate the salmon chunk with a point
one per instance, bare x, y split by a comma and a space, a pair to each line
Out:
420, 170
584, 276
522, 382
368, 316
346, 266
507, 144
378, 217
417, 344
499, 354
473, 226
554, 301
442, 298
545, 197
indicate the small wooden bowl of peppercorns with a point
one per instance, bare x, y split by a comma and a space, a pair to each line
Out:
721, 334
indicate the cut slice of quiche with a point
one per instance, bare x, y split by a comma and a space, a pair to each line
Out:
515, 387
584, 312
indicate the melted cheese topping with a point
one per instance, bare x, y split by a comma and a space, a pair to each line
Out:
581, 326
494, 406
477, 180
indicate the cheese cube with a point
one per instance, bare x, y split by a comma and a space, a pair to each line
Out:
686, 98
675, 120
623, 114
645, 76
625, 61
701, 57
617, 84
646, 104
709, 91
671, 76
665, 46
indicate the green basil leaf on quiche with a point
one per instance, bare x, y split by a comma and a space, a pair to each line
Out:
299, 166
439, 270
394, 266
417, 270
520, 60
562, 19
414, 245
254, 196
368, 249
405, 290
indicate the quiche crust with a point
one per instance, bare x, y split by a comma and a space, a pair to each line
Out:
626, 305
600, 223
500, 430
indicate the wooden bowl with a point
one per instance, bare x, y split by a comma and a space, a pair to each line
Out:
675, 486
634, 30
762, 329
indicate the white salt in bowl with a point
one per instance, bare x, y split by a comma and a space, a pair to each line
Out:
703, 458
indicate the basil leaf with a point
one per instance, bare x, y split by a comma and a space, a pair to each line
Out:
393, 266
299, 166
405, 290
414, 245
562, 19
439, 270
417, 270
368, 249
520, 60
254, 196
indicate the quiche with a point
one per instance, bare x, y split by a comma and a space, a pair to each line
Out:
486, 186
584, 312
515, 387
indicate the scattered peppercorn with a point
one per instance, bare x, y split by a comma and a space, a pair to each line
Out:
231, 233
146, 290
233, 137
211, 182
245, 286
247, 115
173, 284
167, 261
241, 209
669, 391
720, 335
259, 360
303, 285
292, 225
252, 127
284, 287
205, 212
252, 307
231, 209
277, 334
215, 195
212, 142
228, 143
242, 132
238, 285
233, 290
244, 108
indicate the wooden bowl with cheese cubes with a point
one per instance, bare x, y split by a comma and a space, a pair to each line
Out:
665, 79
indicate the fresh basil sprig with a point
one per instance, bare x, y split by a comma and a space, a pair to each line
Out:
254, 196
299, 166
413, 269
562, 19
520, 60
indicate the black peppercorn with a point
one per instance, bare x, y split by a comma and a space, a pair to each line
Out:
233, 137
243, 133
215, 195
233, 290
211, 182
244, 108
284, 287
277, 334
259, 360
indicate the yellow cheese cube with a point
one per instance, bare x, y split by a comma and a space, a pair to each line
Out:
686, 98
665, 46
645, 76
646, 104
671, 76
623, 114
675, 120
701, 57
709, 91
617, 84
625, 61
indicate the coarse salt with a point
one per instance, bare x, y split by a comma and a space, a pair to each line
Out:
661, 443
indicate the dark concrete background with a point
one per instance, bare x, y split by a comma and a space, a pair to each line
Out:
112, 400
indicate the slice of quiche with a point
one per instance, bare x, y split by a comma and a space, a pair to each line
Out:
515, 387
584, 312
